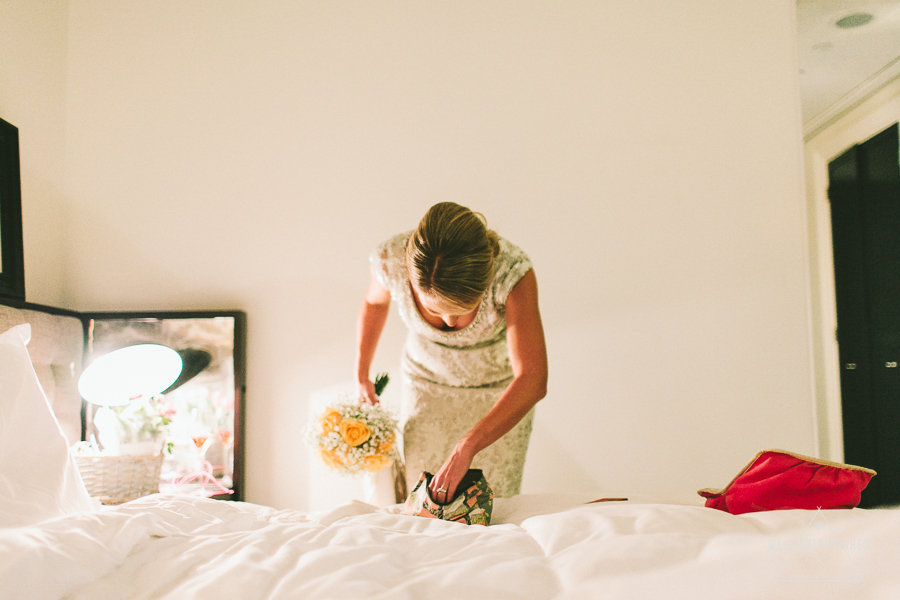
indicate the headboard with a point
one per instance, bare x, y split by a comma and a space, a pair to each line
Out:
56, 350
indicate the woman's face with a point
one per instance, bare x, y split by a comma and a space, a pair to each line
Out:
439, 307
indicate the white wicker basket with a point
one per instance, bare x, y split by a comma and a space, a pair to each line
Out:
118, 479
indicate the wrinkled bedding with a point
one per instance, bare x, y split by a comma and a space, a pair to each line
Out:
180, 547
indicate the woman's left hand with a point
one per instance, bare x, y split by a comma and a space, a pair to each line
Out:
444, 483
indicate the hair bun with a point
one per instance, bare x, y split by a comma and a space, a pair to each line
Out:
494, 241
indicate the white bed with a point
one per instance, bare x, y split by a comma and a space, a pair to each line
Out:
541, 547
548, 546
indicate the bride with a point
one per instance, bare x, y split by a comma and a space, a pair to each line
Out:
474, 364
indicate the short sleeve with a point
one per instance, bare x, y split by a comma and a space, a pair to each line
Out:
388, 262
512, 264
378, 265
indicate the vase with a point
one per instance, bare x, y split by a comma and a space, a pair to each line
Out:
378, 488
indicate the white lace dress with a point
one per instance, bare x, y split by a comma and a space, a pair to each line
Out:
450, 379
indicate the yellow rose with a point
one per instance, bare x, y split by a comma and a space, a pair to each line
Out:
329, 420
375, 463
331, 460
354, 432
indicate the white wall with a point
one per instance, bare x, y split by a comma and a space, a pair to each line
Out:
647, 155
33, 98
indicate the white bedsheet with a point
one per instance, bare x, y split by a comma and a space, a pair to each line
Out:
179, 547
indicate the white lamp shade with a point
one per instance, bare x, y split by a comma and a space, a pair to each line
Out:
126, 374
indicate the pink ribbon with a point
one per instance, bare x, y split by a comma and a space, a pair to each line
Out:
203, 477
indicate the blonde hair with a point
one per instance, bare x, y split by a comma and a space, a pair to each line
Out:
451, 254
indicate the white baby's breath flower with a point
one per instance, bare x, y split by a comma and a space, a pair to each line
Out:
368, 444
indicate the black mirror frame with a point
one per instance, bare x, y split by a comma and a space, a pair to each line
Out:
12, 271
240, 374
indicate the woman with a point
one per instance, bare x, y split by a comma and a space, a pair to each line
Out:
474, 364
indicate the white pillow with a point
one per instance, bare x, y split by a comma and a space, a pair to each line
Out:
38, 477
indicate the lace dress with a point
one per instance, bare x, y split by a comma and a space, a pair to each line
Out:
451, 379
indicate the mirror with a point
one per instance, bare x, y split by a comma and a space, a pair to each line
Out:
202, 438
12, 263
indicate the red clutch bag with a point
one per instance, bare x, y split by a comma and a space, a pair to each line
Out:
779, 480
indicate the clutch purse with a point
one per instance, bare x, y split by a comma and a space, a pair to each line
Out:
472, 504
782, 480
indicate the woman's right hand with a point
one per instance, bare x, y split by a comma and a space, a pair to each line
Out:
367, 392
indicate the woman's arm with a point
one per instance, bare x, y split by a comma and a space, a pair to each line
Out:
528, 356
372, 316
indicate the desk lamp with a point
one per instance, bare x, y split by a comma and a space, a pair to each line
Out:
126, 374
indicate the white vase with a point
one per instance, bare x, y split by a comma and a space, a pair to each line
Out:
378, 488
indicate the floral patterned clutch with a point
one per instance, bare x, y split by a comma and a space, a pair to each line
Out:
472, 504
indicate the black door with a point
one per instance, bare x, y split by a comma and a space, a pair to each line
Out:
864, 190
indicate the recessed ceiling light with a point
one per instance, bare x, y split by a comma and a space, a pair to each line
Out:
854, 20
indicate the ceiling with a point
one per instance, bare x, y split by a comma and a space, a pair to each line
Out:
840, 66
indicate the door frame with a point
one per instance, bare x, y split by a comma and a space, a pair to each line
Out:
874, 115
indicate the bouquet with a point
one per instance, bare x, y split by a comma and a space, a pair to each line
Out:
145, 419
353, 437
139, 427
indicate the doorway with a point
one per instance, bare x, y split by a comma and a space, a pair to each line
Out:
864, 193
